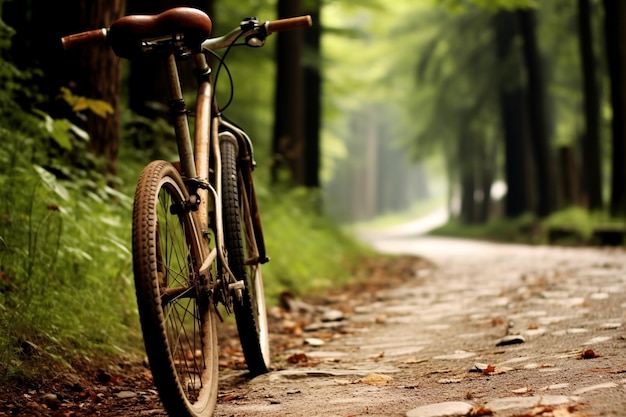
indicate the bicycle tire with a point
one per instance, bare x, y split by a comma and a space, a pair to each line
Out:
178, 318
250, 310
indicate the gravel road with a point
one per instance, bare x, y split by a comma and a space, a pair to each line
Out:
484, 329
454, 328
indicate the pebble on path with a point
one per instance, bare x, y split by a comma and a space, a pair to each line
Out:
445, 409
511, 340
509, 403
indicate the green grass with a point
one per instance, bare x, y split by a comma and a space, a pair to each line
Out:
529, 229
308, 251
65, 277
66, 284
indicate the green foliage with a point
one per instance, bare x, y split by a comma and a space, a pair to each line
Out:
491, 5
577, 222
308, 251
65, 285
64, 261
78, 103
523, 229
66, 288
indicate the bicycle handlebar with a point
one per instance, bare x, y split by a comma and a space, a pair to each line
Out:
103, 35
84, 38
290, 23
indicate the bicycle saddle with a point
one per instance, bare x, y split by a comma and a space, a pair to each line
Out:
127, 33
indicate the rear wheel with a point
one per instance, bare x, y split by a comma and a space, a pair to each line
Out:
177, 316
243, 260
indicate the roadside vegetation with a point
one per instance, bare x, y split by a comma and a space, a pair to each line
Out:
572, 226
66, 284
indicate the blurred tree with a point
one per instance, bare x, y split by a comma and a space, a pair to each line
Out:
102, 80
464, 101
537, 115
518, 167
92, 72
289, 141
313, 95
591, 162
615, 33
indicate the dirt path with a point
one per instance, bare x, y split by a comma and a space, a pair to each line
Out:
490, 329
483, 329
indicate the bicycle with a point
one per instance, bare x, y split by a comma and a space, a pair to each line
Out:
197, 237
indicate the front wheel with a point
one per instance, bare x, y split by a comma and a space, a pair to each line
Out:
243, 260
177, 315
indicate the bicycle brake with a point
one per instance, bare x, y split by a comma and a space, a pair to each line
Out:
257, 38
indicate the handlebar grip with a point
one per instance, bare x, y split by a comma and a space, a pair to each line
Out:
84, 38
289, 24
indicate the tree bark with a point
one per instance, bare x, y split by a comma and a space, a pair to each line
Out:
518, 167
541, 148
92, 72
615, 15
102, 80
288, 137
592, 167
313, 102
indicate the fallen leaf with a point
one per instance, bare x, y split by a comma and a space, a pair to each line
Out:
230, 397
298, 358
376, 379
523, 390
490, 369
588, 354
480, 411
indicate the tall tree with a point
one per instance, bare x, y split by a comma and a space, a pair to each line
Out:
288, 137
592, 167
536, 88
102, 79
517, 165
313, 94
93, 71
615, 15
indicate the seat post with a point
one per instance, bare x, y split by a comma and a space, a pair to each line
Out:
178, 113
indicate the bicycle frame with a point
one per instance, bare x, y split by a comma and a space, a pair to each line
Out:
196, 160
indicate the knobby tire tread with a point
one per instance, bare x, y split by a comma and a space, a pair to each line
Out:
245, 311
161, 177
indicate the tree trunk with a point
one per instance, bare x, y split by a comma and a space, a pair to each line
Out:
592, 166
615, 15
288, 136
103, 78
545, 181
92, 71
313, 102
518, 172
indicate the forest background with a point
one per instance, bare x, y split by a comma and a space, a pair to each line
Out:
507, 112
